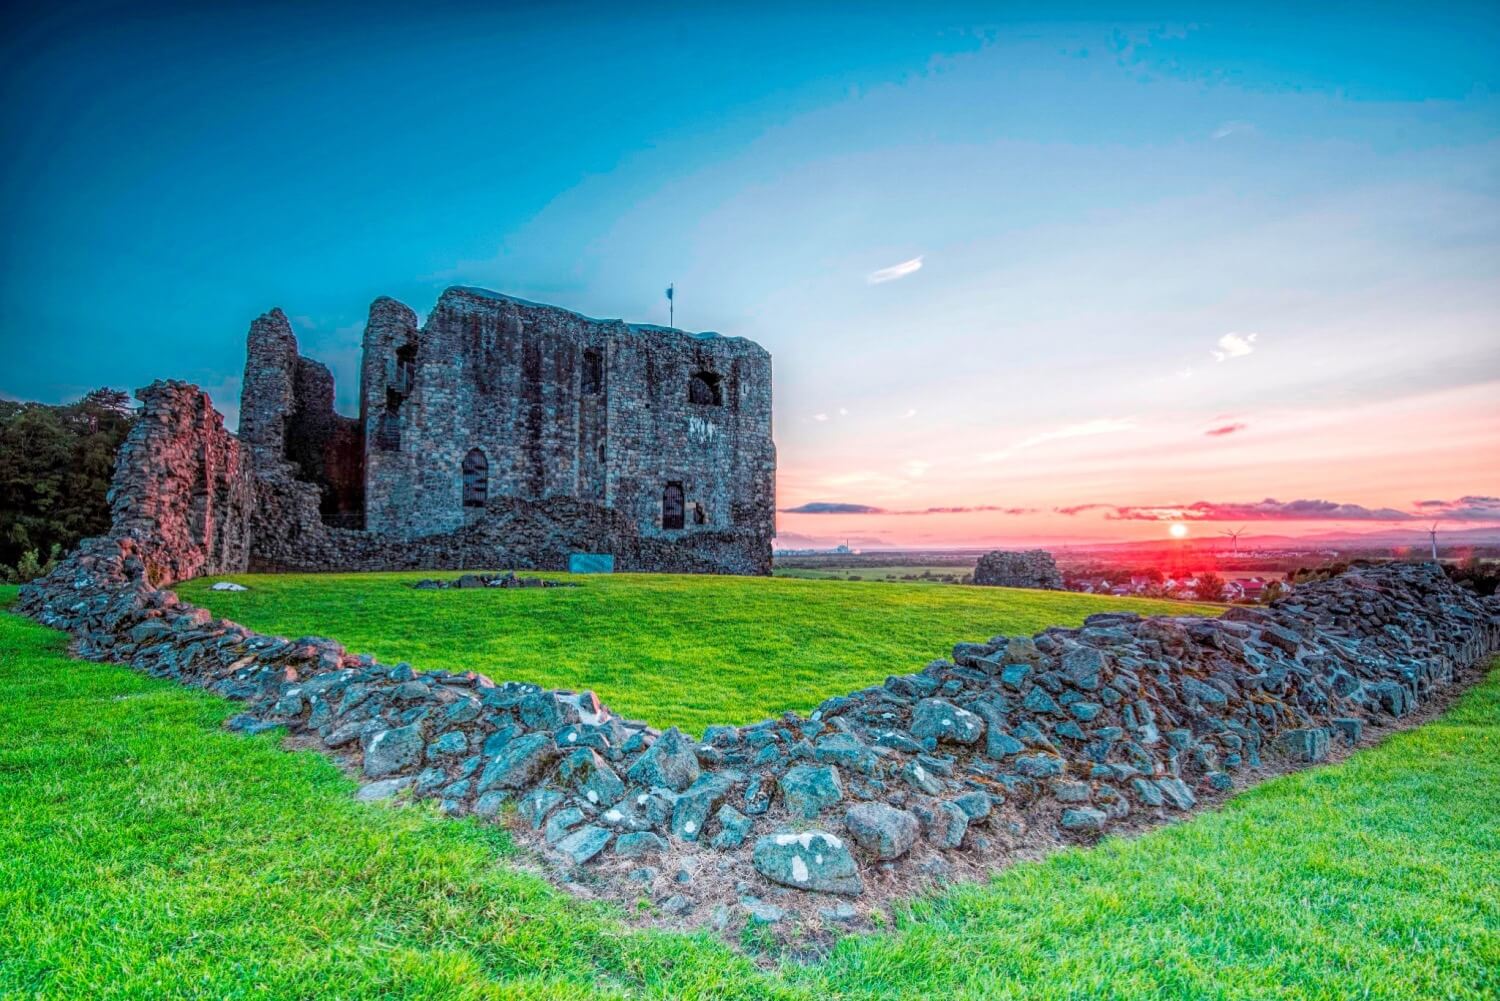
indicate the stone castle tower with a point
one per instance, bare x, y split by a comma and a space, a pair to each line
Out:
508, 433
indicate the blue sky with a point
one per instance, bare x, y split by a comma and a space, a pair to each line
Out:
1080, 209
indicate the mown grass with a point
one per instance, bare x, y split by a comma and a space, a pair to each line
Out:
147, 853
936, 573
671, 649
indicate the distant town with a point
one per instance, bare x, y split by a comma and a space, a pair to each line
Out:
1242, 571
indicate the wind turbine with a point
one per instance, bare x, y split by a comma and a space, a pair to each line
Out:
1235, 535
1433, 533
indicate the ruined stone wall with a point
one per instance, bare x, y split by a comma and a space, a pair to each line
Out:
326, 448
290, 428
179, 490
1033, 568
581, 425
268, 394
515, 533
562, 406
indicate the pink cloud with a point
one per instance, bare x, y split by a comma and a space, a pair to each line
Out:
1467, 508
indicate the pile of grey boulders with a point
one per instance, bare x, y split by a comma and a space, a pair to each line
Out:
1070, 731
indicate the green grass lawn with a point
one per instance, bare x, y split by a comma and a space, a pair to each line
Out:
148, 853
937, 573
670, 649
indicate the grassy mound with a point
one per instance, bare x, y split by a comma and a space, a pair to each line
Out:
670, 649
148, 853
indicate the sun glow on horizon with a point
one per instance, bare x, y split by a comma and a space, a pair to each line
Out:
1178, 530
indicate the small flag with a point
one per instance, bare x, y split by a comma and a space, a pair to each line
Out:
669, 293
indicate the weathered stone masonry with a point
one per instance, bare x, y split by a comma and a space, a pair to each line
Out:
1033, 568
1064, 734
504, 432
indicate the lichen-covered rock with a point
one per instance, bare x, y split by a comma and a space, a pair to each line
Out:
882, 830
691, 811
671, 762
807, 790
1309, 744
452, 744
587, 772
808, 860
945, 721
734, 827
944, 823
584, 843
1084, 818
637, 843
392, 750
520, 763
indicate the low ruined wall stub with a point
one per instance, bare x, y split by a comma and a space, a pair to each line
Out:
1032, 568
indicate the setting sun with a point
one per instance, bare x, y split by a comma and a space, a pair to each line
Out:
1178, 530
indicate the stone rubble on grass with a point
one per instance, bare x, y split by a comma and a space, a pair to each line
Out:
480, 580
1073, 730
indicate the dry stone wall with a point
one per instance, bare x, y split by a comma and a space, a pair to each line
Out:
1013, 741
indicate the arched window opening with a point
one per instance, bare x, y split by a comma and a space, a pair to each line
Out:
672, 506
476, 478
700, 516
593, 373
704, 389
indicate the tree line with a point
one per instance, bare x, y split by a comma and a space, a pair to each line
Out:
56, 463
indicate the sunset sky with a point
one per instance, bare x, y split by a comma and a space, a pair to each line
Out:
1074, 277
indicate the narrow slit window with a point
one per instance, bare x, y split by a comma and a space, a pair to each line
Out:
672, 506
476, 479
406, 369
593, 373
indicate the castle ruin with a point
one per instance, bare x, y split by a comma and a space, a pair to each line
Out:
506, 433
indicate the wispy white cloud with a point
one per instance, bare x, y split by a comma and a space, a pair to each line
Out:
1230, 128
895, 271
1104, 425
1233, 345
840, 507
820, 417
910, 413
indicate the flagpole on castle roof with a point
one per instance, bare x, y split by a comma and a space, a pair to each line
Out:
672, 305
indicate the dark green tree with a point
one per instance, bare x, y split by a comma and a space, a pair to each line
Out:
56, 463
